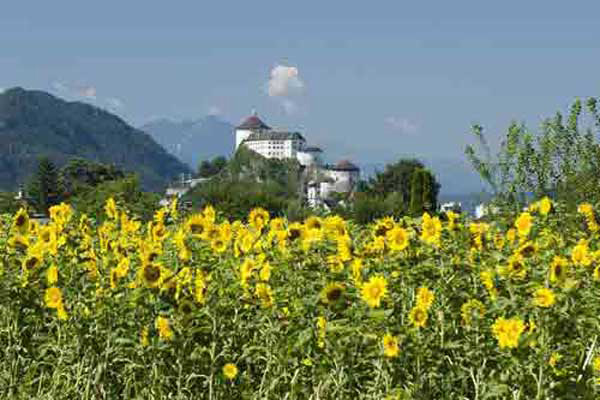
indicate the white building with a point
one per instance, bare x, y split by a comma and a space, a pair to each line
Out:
484, 210
321, 180
451, 206
259, 137
310, 156
343, 178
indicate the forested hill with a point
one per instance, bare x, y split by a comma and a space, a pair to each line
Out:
36, 123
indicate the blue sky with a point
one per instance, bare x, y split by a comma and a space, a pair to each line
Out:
375, 80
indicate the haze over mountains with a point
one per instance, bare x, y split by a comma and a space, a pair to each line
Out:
35, 123
192, 141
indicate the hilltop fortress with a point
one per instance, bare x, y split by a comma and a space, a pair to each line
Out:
320, 180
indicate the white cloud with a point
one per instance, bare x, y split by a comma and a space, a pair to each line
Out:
402, 125
286, 86
75, 90
284, 81
2, 90
87, 92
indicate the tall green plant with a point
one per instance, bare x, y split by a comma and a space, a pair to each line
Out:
562, 160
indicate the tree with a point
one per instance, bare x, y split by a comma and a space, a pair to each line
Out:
396, 177
416, 192
43, 188
126, 192
209, 168
79, 175
406, 186
8, 204
561, 161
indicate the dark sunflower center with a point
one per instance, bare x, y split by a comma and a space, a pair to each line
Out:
381, 231
197, 229
20, 221
151, 273
294, 234
334, 294
31, 262
558, 270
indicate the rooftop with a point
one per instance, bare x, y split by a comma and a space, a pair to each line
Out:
344, 165
253, 123
274, 135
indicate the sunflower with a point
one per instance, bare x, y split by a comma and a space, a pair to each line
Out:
397, 238
110, 208
418, 317
230, 371
580, 254
332, 293
151, 274
265, 272
424, 298
528, 249
21, 222
559, 269
196, 225
544, 297
390, 346
382, 226
225, 231
265, 294
52, 274
470, 309
336, 226
53, 297
295, 231
335, 264
19, 242
523, 224
32, 261
246, 269
159, 232
545, 205
277, 224
218, 245
164, 328
374, 290
515, 269
185, 308
258, 218
431, 229
313, 223
508, 331
209, 214
596, 363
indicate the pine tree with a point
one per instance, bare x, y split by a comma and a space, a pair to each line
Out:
43, 189
428, 182
416, 192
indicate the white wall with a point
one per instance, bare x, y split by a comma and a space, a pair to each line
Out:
240, 135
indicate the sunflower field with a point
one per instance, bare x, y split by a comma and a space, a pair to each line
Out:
200, 306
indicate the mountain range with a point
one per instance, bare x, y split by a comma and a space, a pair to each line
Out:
193, 141
35, 123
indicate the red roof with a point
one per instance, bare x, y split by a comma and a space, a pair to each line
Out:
345, 165
253, 122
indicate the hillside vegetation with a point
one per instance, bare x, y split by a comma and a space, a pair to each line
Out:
35, 124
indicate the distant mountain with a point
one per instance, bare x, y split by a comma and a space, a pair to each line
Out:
193, 141
35, 123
